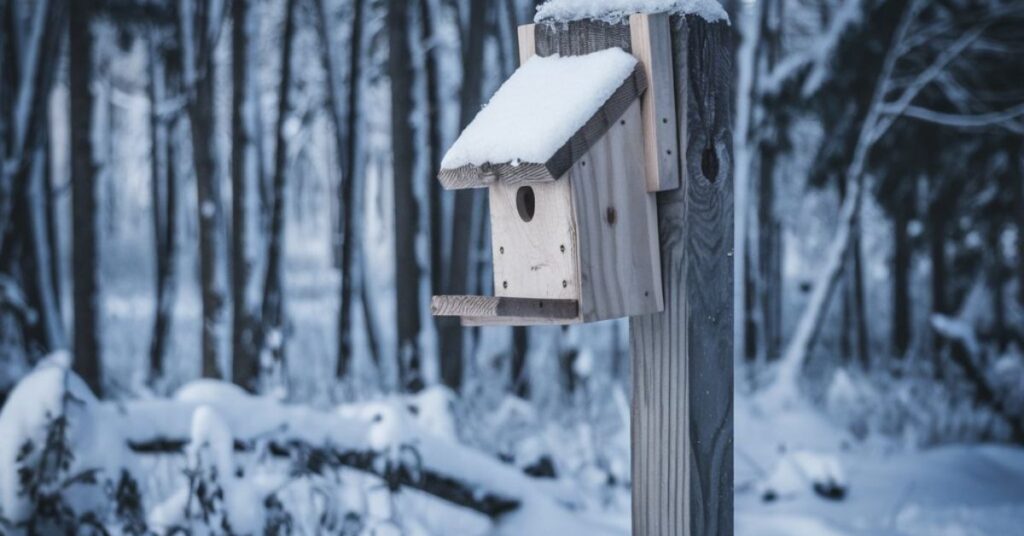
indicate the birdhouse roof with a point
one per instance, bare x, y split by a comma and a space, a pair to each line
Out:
544, 117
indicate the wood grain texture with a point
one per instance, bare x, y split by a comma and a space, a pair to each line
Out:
617, 226
527, 42
470, 176
580, 37
682, 423
536, 258
652, 45
503, 307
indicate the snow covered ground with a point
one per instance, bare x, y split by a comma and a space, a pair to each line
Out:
961, 490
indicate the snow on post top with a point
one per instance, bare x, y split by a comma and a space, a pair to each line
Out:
616, 10
539, 108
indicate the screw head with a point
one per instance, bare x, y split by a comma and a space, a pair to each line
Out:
504, 284
561, 248
501, 249
565, 283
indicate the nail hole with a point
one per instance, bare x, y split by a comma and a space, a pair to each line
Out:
565, 283
610, 215
504, 284
525, 203
664, 120
622, 122
669, 151
646, 293
501, 250
540, 304
561, 248
709, 164
583, 163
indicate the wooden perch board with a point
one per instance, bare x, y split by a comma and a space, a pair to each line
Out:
477, 310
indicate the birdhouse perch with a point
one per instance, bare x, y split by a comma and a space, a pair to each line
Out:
571, 149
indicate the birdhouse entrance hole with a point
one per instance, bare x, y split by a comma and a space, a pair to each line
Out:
525, 203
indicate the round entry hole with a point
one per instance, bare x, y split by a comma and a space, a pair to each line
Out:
525, 203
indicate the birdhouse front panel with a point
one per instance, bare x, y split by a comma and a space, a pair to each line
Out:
534, 240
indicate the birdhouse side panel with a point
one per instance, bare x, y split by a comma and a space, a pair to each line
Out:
620, 265
533, 240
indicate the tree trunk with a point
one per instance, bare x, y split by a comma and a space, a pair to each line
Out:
195, 26
901, 260
451, 336
520, 379
273, 288
346, 122
937, 256
435, 139
859, 299
163, 193
244, 350
1018, 181
84, 205
407, 270
39, 264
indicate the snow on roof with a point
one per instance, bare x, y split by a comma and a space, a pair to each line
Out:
616, 10
539, 108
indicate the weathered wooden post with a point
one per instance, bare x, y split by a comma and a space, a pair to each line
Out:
646, 231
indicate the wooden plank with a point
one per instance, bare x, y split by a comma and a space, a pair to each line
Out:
470, 176
535, 258
617, 225
580, 37
527, 42
503, 307
598, 124
652, 45
682, 439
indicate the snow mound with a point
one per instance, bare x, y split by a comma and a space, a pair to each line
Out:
539, 108
616, 10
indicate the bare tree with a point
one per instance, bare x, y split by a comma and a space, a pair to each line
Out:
244, 351
199, 26
164, 190
273, 288
87, 310
407, 269
345, 116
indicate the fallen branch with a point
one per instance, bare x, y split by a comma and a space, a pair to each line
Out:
318, 459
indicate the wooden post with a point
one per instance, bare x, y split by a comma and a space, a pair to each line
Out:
682, 437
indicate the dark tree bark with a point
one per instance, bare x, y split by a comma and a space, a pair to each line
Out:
859, 299
937, 255
85, 225
407, 271
195, 28
273, 288
165, 201
1018, 182
346, 123
901, 259
244, 351
435, 140
457, 278
520, 350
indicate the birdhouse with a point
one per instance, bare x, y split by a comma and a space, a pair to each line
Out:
567, 149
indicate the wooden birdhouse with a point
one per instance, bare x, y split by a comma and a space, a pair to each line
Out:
571, 149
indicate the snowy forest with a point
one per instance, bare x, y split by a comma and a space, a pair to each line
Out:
221, 228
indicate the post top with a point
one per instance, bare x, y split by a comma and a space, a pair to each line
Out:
618, 10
